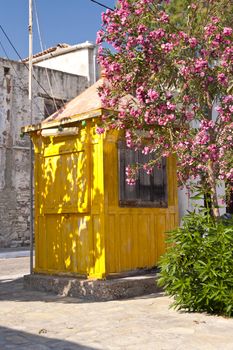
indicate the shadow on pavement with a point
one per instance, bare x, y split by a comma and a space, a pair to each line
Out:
13, 290
20, 340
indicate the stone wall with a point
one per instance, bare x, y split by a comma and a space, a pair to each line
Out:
14, 150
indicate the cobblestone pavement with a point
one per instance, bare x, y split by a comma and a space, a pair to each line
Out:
41, 321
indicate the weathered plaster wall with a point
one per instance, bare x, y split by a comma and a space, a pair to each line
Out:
14, 150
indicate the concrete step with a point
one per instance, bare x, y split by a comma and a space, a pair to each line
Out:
95, 290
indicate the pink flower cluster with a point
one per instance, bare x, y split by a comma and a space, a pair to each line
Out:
175, 79
131, 175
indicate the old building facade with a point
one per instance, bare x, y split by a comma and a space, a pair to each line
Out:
51, 89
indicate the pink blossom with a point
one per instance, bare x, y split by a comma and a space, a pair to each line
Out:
100, 130
171, 85
227, 31
99, 37
228, 99
171, 106
182, 35
186, 99
184, 71
157, 34
189, 115
200, 64
131, 182
215, 20
167, 47
210, 29
146, 150
193, 42
222, 79
141, 29
219, 109
168, 95
163, 17
153, 94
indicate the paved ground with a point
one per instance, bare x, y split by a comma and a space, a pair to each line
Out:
6, 253
41, 321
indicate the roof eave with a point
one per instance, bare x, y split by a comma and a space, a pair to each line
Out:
60, 51
56, 123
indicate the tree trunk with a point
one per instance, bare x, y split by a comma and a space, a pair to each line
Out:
213, 187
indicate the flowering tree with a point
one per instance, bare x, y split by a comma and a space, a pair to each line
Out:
178, 76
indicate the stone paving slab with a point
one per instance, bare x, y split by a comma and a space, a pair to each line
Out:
42, 321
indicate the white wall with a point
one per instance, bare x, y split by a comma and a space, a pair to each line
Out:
187, 204
80, 61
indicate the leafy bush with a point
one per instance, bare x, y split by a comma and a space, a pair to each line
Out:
197, 269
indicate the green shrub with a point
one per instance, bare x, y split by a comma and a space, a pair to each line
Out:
197, 269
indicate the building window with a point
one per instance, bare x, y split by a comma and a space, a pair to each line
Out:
149, 190
6, 70
51, 106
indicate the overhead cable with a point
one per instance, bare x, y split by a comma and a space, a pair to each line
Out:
19, 78
17, 53
42, 49
102, 5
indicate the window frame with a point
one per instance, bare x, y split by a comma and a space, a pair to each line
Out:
52, 105
138, 203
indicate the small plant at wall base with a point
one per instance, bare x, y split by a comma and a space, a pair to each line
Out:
197, 269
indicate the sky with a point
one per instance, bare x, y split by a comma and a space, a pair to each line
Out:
60, 21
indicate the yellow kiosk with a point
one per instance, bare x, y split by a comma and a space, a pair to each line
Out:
88, 221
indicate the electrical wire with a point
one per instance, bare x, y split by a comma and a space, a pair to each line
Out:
19, 56
19, 86
20, 79
42, 49
10, 42
102, 5
17, 53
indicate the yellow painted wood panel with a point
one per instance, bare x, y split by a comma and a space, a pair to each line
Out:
160, 234
53, 242
61, 145
124, 241
69, 243
40, 244
97, 181
99, 268
145, 232
80, 228
82, 244
111, 263
64, 245
62, 176
152, 248
135, 237
133, 241
65, 183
